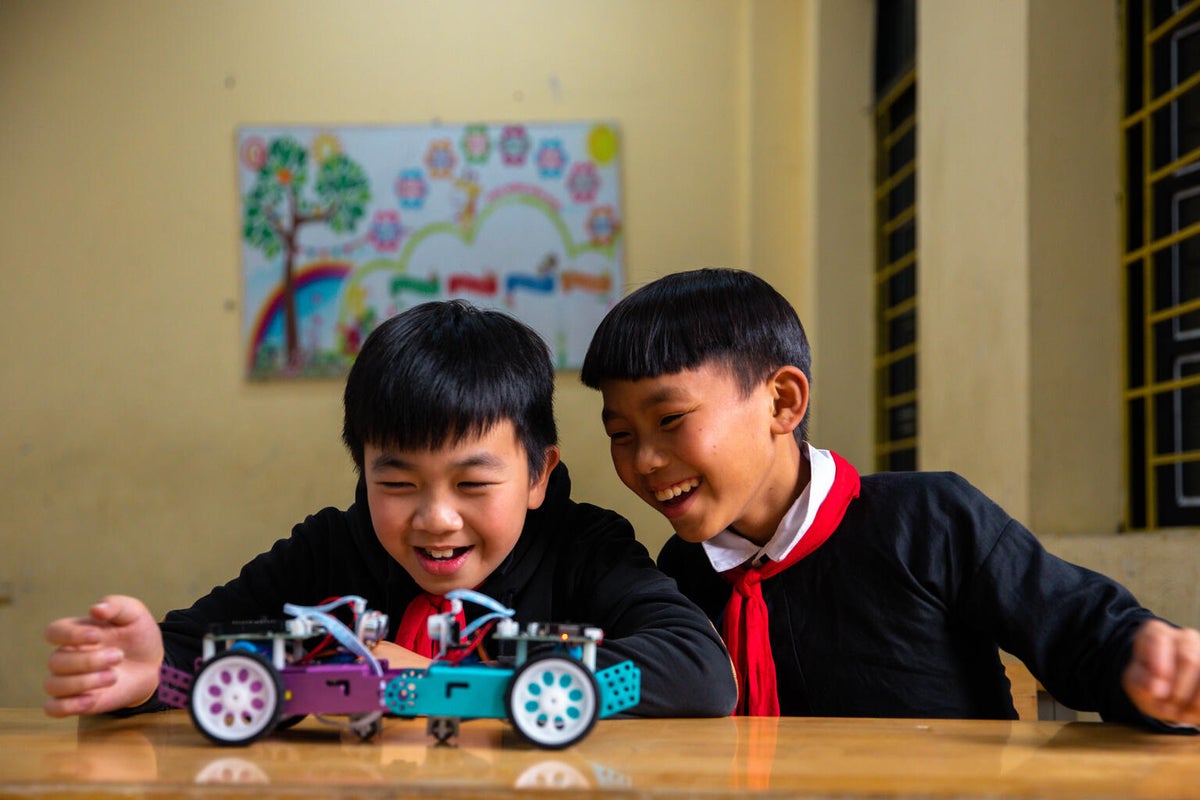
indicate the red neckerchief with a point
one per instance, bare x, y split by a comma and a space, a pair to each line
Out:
413, 631
745, 628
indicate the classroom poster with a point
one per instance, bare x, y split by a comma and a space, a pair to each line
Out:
344, 227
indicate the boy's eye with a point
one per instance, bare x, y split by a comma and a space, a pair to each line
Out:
469, 485
670, 419
618, 436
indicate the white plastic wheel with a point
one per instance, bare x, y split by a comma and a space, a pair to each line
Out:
236, 698
553, 701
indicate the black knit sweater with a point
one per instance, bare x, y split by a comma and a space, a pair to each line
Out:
901, 611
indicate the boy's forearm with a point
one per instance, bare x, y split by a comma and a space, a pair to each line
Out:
685, 668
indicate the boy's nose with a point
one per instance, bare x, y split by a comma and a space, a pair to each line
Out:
648, 458
437, 516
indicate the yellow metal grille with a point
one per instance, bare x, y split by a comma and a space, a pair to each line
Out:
1161, 264
896, 275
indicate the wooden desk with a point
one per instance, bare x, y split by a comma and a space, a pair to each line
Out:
162, 756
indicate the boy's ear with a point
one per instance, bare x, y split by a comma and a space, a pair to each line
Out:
537, 491
789, 396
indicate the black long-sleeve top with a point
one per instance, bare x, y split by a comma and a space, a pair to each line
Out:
573, 562
901, 611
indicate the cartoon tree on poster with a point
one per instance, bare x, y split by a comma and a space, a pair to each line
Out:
277, 208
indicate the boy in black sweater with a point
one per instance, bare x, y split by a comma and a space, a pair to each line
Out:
449, 417
886, 595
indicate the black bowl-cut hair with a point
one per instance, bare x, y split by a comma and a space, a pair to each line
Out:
688, 319
439, 372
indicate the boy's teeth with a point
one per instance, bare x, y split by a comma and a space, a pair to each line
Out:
662, 495
432, 553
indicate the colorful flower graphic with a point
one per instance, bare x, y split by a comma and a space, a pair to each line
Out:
476, 146
583, 183
602, 225
551, 158
514, 145
386, 232
411, 188
440, 159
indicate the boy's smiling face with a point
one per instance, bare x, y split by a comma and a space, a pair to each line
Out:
451, 515
707, 457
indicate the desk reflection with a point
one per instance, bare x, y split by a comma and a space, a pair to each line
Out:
486, 753
164, 756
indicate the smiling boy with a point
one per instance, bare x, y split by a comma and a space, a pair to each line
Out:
449, 419
883, 595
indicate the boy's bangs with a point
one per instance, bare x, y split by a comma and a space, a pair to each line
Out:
438, 411
672, 341
408, 431
670, 347
686, 320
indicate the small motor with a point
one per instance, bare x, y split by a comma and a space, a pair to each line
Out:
372, 628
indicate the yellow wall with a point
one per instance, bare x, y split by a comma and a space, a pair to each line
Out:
136, 458
1020, 315
838, 312
1076, 480
973, 243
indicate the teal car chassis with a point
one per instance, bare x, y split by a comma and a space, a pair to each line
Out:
253, 678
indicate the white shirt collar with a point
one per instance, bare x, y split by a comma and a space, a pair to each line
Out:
727, 549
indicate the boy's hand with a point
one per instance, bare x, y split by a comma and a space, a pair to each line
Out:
1163, 675
104, 661
400, 657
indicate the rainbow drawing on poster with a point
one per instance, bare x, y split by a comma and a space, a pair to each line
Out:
344, 227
